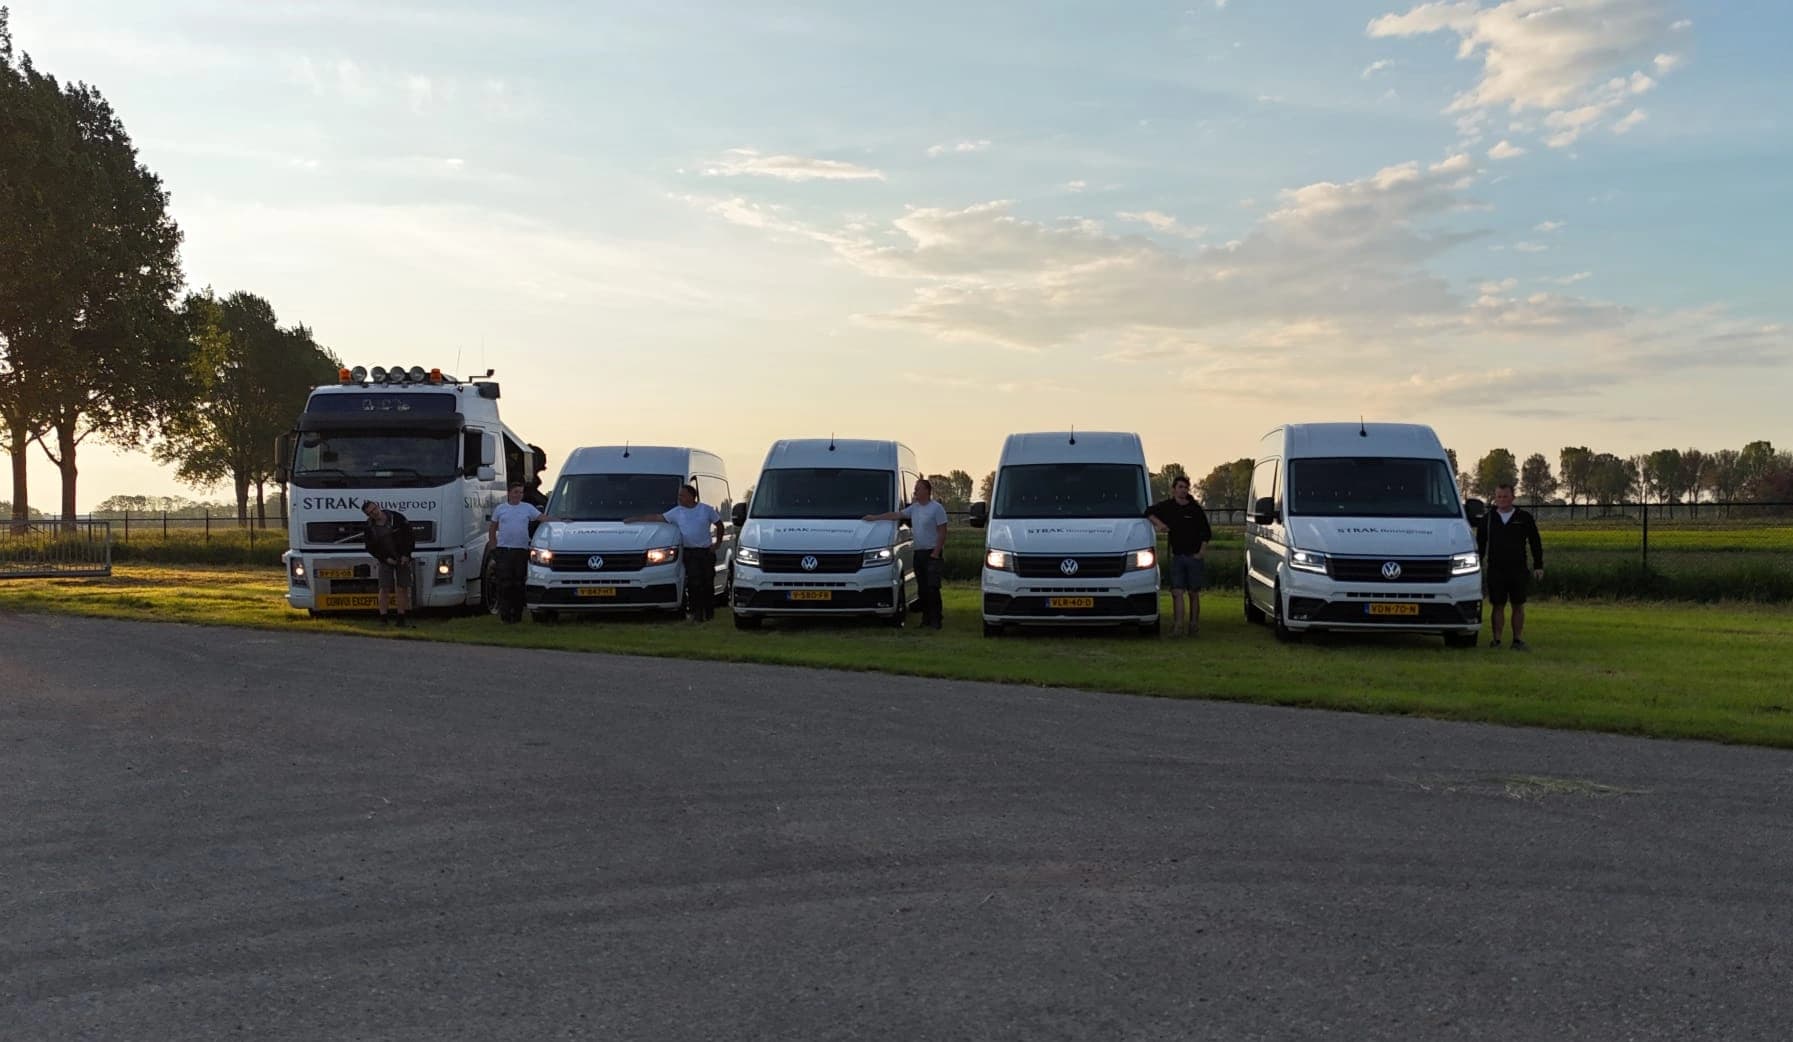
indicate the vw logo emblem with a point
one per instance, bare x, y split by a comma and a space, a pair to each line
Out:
595, 563
809, 562
1391, 570
1068, 566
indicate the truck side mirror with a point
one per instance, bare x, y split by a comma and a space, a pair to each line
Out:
979, 515
486, 472
1474, 510
283, 458
1263, 512
738, 515
488, 451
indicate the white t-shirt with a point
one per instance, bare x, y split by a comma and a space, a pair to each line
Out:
696, 524
925, 521
513, 524
1505, 515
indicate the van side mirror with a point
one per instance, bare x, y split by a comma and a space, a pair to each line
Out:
738, 515
1263, 512
979, 515
1474, 510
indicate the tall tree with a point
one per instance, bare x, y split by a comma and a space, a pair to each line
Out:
1161, 481
1611, 479
251, 377
1225, 486
1498, 467
1754, 464
1693, 478
1536, 482
986, 486
952, 489
1724, 476
1575, 469
1660, 472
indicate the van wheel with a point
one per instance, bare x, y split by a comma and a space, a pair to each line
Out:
1460, 640
901, 615
747, 622
1253, 614
1283, 632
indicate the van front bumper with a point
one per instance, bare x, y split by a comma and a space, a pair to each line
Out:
1319, 602
873, 591
1009, 598
655, 587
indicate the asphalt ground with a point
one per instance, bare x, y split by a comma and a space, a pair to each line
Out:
213, 833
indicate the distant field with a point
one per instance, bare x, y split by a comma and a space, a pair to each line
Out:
1683, 671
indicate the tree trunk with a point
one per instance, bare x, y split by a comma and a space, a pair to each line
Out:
261, 505
21, 496
66, 444
242, 483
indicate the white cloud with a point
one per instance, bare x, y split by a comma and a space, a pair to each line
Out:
1163, 222
1667, 63
962, 146
1376, 66
420, 91
1570, 280
1076, 186
739, 162
1530, 247
1633, 119
1547, 226
1506, 150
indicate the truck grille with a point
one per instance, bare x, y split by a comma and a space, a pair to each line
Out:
353, 533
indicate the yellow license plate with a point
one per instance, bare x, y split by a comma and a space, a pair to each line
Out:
1070, 602
340, 601
812, 595
597, 591
336, 573
1392, 609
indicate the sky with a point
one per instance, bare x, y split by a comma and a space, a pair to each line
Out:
1529, 223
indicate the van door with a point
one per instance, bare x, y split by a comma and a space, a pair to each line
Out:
714, 491
1263, 542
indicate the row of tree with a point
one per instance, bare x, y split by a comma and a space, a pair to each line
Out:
96, 339
1755, 473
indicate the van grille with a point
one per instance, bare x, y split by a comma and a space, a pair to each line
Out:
580, 561
1052, 566
825, 563
1369, 569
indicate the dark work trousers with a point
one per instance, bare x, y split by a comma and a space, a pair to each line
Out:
512, 566
927, 583
700, 582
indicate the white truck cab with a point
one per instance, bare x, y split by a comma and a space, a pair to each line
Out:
584, 558
1358, 526
803, 548
1068, 542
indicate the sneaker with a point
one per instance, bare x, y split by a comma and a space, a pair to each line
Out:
1495, 643
1520, 645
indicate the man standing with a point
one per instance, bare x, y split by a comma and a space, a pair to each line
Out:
927, 522
1503, 537
1190, 534
508, 543
700, 533
388, 537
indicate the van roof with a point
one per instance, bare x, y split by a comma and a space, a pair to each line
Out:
639, 459
1072, 447
1367, 439
846, 452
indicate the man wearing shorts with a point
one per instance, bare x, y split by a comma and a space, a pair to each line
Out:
1503, 537
389, 539
1190, 533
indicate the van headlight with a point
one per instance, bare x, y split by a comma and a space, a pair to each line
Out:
1466, 564
874, 558
1307, 561
1000, 560
747, 555
540, 556
1144, 560
663, 555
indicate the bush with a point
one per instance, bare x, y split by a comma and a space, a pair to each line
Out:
257, 548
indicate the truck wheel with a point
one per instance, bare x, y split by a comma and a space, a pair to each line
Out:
488, 587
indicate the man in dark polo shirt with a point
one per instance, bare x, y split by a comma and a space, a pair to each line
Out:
1503, 537
389, 539
1187, 523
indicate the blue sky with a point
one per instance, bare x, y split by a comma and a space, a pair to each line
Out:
1530, 223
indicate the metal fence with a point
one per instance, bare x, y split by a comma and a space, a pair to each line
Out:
38, 550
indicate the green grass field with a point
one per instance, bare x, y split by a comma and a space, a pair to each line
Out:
1722, 672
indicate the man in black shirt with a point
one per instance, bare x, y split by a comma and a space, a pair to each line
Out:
388, 537
1187, 523
1503, 536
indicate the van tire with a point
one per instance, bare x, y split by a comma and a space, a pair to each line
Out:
1283, 632
1253, 614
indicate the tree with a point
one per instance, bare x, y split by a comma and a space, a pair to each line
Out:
1611, 479
952, 489
1161, 481
1497, 468
1451, 454
1754, 464
1535, 480
1660, 472
986, 486
93, 344
251, 378
1575, 471
1724, 475
1226, 486
1693, 478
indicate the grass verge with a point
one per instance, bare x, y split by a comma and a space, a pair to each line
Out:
1720, 672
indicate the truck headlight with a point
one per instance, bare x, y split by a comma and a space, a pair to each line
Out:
663, 555
296, 569
1466, 564
1000, 560
1144, 560
747, 555
874, 558
540, 556
1307, 561
444, 570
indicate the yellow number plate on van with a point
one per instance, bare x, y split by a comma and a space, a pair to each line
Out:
336, 573
812, 595
597, 591
340, 601
1070, 602
1392, 609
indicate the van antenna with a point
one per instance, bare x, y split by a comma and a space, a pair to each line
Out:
625, 450
1362, 431
830, 441
1073, 434
457, 359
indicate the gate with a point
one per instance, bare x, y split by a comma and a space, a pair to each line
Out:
52, 550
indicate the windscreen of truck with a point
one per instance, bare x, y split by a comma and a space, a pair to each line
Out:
823, 492
376, 459
1348, 487
1070, 490
612, 497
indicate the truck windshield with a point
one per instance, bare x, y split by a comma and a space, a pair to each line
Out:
612, 497
824, 492
1070, 490
376, 459
1372, 488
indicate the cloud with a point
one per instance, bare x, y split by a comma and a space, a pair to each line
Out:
1376, 66
747, 162
1633, 119
420, 90
1076, 186
1505, 150
1570, 280
1530, 247
1163, 222
962, 146
1574, 62
1547, 226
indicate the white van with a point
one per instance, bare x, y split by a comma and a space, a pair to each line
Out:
1361, 527
1068, 540
804, 549
589, 560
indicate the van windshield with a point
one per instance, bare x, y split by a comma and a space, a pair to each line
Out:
1372, 488
612, 497
1070, 490
824, 492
